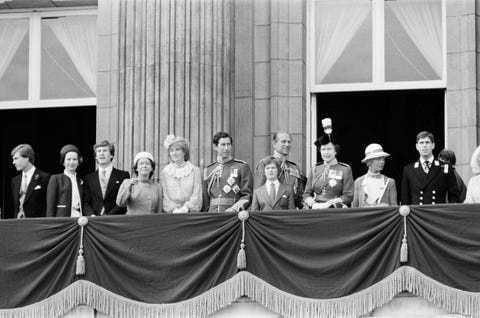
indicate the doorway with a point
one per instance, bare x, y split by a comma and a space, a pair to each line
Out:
390, 118
46, 130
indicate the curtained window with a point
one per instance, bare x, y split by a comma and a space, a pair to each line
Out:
48, 59
14, 37
374, 44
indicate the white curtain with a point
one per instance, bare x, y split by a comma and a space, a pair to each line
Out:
78, 35
12, 33
422, 20
336, 23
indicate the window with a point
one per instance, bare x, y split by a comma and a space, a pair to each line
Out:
50, 59
376, 44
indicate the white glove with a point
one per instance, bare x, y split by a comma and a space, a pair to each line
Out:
317, 206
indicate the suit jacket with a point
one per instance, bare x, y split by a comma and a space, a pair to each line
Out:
389, 196
35, 202
284, 199
59, 195
93, 199
434, 187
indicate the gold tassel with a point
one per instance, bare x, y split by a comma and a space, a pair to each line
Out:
241, 258
80, 263
404, 251
82, 221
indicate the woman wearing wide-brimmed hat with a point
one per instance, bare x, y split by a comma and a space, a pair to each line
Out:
141, 194
374, 188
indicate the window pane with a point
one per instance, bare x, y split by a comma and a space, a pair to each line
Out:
14, 41
68, 57
343, 41
413, 40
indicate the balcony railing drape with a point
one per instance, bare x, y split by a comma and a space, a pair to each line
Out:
329, 263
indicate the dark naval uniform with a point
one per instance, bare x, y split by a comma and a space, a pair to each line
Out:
226, 185
327, 182
289, 174
419, 187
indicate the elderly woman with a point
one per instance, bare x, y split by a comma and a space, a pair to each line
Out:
273, 195
64, 191
473, 187
373, 188
140, 194
330, 182
181, 180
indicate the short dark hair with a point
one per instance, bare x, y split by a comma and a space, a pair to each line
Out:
270, 160
104, 143
447, 156
275, 135
219, 135
135, 166
425, 134
24, 150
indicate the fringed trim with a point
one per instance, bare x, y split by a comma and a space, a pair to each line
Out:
452, 300
83, 292
354, 305
86, 293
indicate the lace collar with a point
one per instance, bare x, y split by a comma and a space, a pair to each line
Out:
176, 172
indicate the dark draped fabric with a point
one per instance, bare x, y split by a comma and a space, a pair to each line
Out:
170, 258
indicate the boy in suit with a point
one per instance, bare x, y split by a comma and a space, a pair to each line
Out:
101, 187
273, 195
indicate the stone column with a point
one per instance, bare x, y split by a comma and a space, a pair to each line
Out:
164, 67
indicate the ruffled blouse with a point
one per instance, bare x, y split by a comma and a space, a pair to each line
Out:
182, 188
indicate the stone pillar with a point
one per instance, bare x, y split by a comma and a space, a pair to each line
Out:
461, 96
164, 67
270, 75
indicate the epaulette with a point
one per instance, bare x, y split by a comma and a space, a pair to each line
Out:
343, 164
238, 160
319, 163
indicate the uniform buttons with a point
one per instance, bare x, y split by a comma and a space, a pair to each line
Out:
433, 202
433, 198
421, 192
433, 192
421, 198
219, 195
421, 203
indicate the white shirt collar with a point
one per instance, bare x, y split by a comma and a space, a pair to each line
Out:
108, 170
430, 159
268, 185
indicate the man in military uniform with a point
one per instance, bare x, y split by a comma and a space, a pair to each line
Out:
228, 182
289, 173
330, 182
427, 181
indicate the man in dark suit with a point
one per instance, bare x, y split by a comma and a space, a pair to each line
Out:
101, 187
428, 181
29, 189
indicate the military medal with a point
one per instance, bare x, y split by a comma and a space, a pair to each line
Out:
227, 188
234, 173
332, 182
230, 180
236, 189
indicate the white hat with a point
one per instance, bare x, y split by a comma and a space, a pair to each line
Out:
143, 154
374, 151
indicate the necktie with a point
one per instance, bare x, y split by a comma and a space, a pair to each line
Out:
272, 192
103, 181
427, 166
23, 187
23, 191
